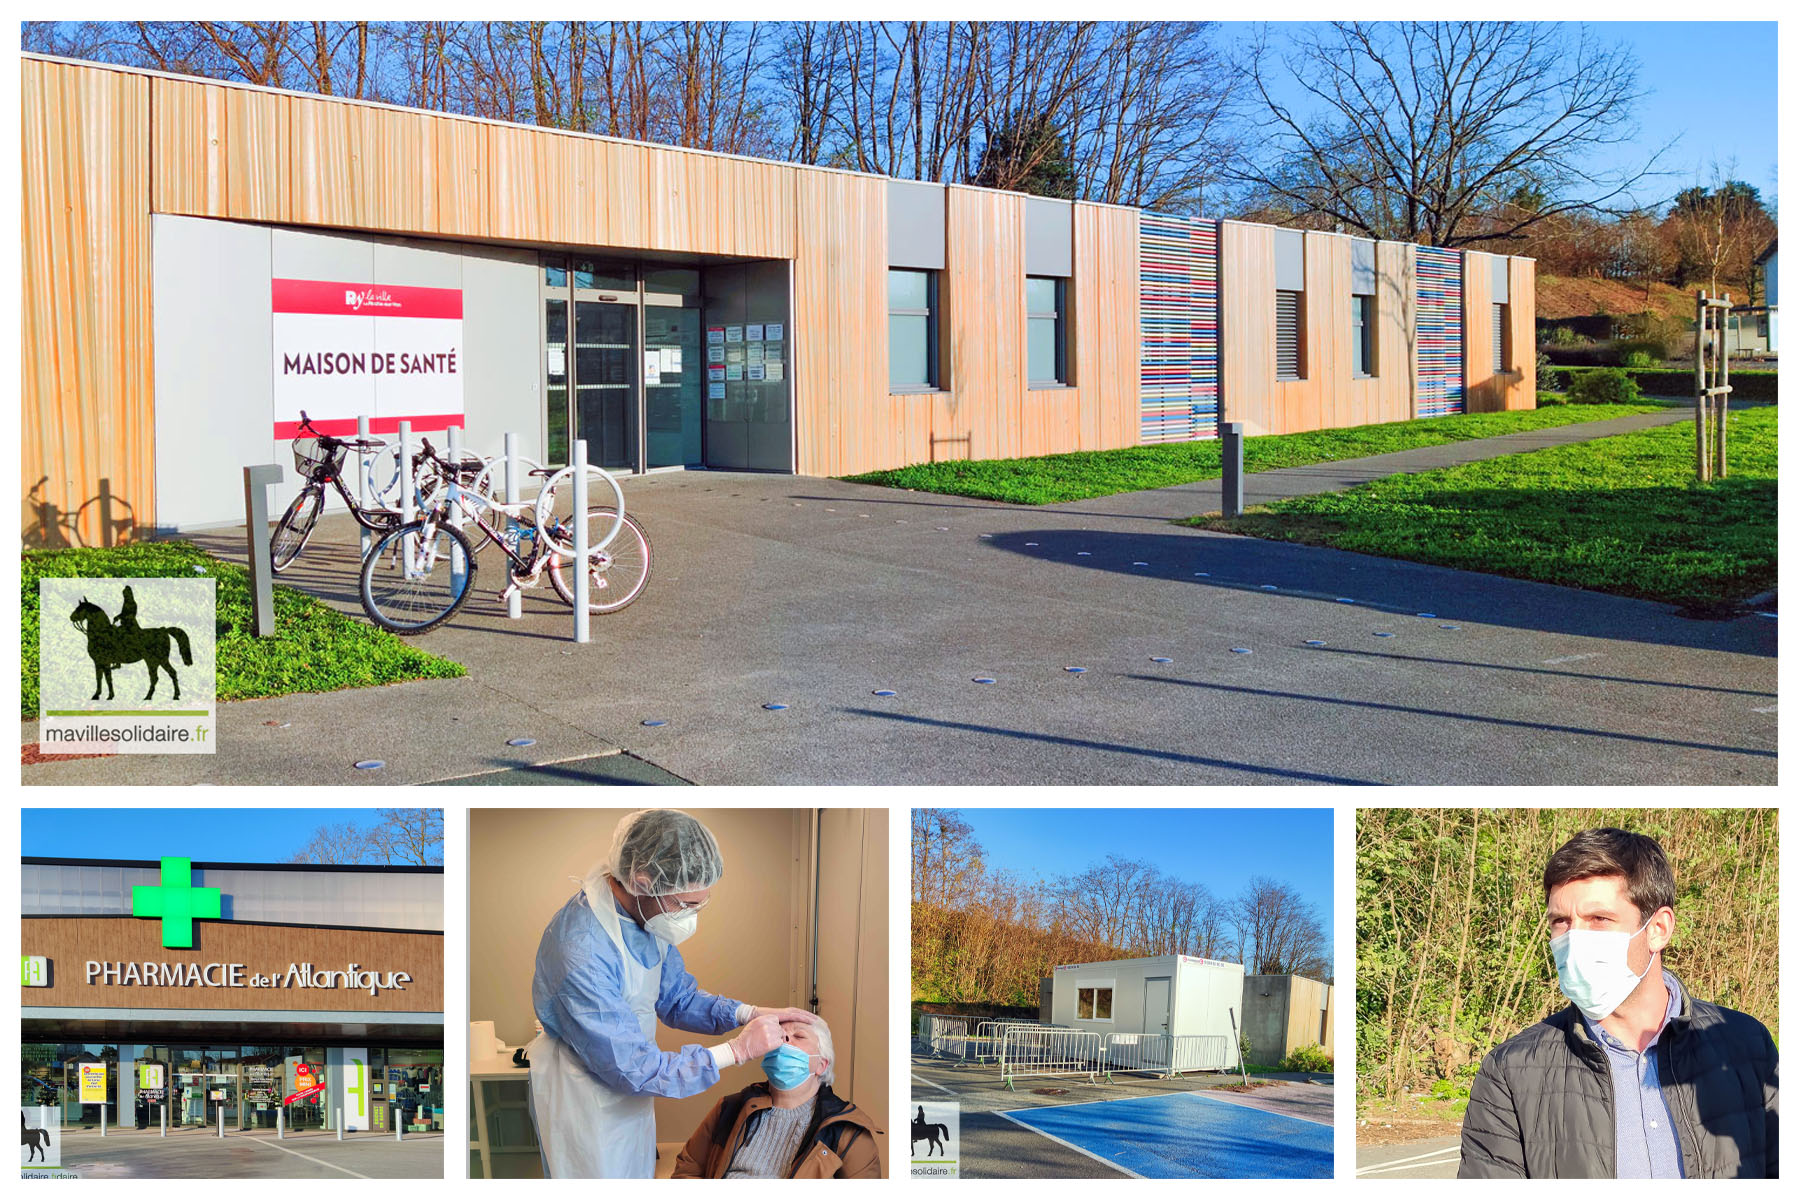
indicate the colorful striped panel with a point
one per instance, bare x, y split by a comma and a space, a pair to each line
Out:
1178, 395
1440, 332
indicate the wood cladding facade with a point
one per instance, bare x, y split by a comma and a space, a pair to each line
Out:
105, 148
71, 942
1516, 387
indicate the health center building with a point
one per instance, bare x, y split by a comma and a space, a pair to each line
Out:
228, 992
203, 261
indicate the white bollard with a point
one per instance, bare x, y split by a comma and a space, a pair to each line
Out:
400, 1128
362, 479
340, 1124
459, 569
514, 601
165, 1118
406, 495
103, 1120
580, 565
221, 1121
280, 1123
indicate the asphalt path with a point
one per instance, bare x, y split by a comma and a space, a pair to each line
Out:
1021, 646
193, 1154
1434, 1158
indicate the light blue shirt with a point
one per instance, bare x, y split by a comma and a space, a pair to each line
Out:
578, 994
1646, 1140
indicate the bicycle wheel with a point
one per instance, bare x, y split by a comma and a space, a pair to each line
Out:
616, 576
296, 527
413, 580
556, 509
434, 500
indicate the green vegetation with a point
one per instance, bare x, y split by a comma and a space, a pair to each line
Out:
1747, 383
1081, 476
1622, 514
1309, 1059
315, 647
1452, 951
1610, 386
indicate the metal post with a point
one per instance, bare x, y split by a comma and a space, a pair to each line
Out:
406, 496
399, 1126
362, 479
1238, 1045
459, 568
514, 601
280, 1123
580, 565
165, 1117
340, 1124
1231, 495
256, 538
103, 1118
221, 1119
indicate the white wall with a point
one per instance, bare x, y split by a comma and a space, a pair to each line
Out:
212, 327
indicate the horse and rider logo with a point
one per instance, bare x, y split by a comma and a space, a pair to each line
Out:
36, 1144
935, 1126
127, 666
112, 644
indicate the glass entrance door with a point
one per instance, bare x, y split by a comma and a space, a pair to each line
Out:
606, 381
672, 390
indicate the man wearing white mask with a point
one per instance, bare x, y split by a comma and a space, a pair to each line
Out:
607, 969
1636, 1079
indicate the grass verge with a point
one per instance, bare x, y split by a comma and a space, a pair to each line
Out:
315, 647
1056, 478
1620, 515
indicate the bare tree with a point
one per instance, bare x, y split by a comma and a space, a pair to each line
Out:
1420, 131
338, 845
946, 857
411, 837
1279, 931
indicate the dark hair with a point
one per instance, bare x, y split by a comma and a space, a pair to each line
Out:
1649, 880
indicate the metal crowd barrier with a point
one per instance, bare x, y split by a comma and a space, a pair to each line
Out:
1048, 1052
984, 1046
1164, 1055
944, 1035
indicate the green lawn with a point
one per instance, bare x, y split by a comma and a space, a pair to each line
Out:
315, 648
1081, 476
1622, 515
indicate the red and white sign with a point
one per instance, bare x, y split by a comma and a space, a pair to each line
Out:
346, 350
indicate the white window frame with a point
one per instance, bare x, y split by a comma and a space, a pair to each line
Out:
1097, 986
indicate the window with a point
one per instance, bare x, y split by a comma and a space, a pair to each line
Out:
1362, 336
1289, 363
1046, 354
1324, 1014
912, 330
1501, 329
1093, 1004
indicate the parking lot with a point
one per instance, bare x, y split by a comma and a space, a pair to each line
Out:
1135, 1127
809, 631
199, 1154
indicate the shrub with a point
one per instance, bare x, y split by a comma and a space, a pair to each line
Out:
1609, 386
1309, 1059
1638, 358
1551, 399
1562, 335
1446, 1089
1640, 352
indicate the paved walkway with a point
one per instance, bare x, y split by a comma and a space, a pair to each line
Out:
821, 595
1433, 1158
1266, 487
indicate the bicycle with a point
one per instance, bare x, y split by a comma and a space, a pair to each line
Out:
319, 458
418, 575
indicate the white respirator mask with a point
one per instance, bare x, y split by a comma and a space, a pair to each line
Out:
1594, 970
673, 927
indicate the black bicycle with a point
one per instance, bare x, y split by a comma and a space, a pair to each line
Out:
319, 458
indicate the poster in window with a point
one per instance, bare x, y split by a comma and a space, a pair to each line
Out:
714, 374
772, 372
771, 333
734, 333
753, 333
715, 334
734, 371
715, 391
652, 368
756, 353
715, 354
755, 372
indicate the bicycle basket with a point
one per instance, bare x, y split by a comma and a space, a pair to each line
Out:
312, 458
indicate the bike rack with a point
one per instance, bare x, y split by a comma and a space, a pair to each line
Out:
256, 535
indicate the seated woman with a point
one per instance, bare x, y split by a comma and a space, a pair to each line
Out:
792, 1127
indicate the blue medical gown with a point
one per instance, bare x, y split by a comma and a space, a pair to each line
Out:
579, 999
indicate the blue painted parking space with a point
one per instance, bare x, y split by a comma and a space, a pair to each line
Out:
1188, 1136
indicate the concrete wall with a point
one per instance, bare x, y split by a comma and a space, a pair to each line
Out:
1282, 1013
213, 347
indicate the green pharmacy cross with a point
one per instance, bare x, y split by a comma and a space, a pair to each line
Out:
178, 902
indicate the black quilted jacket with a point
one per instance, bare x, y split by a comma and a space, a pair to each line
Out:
1542, 1105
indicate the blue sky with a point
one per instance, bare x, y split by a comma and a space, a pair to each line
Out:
1686, 67
1219, 847
202, 834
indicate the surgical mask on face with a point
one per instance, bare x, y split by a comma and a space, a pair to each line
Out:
787, 1067
673, 927
1594, 970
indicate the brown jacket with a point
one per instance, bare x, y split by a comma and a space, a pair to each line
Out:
839, 1145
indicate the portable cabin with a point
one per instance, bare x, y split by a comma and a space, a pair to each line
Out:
1177, 994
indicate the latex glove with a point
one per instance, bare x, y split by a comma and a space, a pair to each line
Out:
759, 1037
786, 1014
